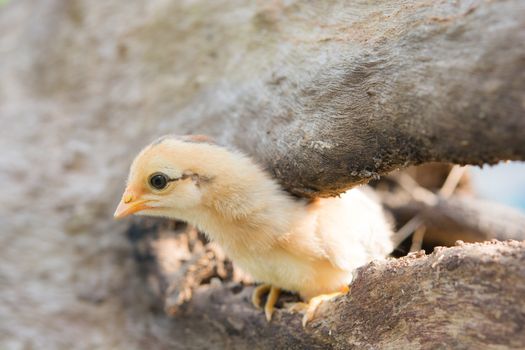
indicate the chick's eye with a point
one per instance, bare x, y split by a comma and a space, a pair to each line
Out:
158, 181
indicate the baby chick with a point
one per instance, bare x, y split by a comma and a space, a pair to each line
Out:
310, 247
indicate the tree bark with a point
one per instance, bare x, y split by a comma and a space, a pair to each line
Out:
464, 297
325, 94
388, 85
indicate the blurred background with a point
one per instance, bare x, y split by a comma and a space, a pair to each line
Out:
504, 183
83, 86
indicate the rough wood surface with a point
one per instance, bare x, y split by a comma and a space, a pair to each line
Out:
324, 93
464, 297
389, 85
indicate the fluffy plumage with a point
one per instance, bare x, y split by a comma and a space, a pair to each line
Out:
309, 247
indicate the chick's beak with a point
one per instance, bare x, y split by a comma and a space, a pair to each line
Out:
129, 204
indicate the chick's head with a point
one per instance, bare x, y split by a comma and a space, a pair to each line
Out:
160, 181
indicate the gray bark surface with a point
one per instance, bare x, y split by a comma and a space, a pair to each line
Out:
384, 86
325, 94
465, 297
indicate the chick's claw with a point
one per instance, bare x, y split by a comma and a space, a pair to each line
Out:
273, 296
309, 309
270, 302
257, 294
296, 307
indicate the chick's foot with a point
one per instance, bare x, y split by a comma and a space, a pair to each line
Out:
309, 309
273, 296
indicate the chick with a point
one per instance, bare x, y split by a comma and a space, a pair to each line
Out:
310, 247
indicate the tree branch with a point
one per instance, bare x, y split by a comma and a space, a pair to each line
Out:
385, 89
326, 95
469, 295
